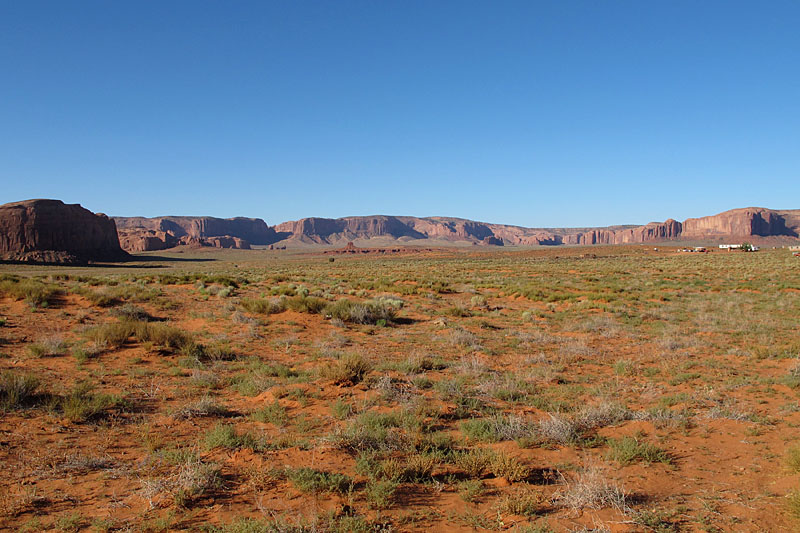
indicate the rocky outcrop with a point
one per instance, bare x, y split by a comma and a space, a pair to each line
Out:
751, 221
147, 240
54, 232
226, 241
252, 230
736, 223
329, 231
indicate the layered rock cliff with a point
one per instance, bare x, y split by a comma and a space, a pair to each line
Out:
747, 222
54, 232
737, 223
252, 230
140, 234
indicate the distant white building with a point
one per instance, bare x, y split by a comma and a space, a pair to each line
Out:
794, 247
730, 246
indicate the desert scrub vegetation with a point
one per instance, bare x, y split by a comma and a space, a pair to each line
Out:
307, 479
226, 436
349, 369
497, 403
82, 403
375, 313
19, 390
160, 335
631, 449
35, 292
50, 346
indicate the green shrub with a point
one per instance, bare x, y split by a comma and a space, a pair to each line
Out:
360, 313
380, 494
164, 336
18, 390
48, 347
628, 450
306, 304
35, 292
81, 404
310, 480
348, 370
470, 490
273, 413
226, 436
793, 459
263, 306
523, 502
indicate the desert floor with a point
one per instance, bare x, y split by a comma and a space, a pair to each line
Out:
569, 389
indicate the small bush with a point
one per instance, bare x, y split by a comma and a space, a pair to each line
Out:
35, 292
306, 304
380, 494
629, 450
793, 504
793, 460
464, 338
505, 466
496, 428
360, 313
341, 409
473, 462
470, 490
48, 347
273, 413
263, 306
523, 502
164, 336
81, 404
559, 429
205, 407
348, 370
592, 489
226, 436
310, 480
132, 312
18, 390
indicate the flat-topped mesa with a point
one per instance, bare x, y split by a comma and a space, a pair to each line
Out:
750, 221
159, 233
328, 230
252, 230
54, 232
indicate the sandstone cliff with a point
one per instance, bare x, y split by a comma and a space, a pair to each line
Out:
52, 231
140, 234
747, 222
737, 223
252, 230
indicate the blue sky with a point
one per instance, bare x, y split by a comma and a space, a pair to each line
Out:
559, 113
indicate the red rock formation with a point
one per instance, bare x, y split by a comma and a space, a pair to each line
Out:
145, 240
740, 223
52, 231
226, 241
252, 230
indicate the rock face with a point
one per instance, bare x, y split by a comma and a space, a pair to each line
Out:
140, 234
328, 230
52, 231
752, 221
145, 240
736, 223
252, 230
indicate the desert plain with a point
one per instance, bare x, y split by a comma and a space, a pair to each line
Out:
611, 388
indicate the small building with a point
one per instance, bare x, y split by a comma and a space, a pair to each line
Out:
796, 248
730, 247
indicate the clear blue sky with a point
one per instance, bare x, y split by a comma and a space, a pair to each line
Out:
557, 113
